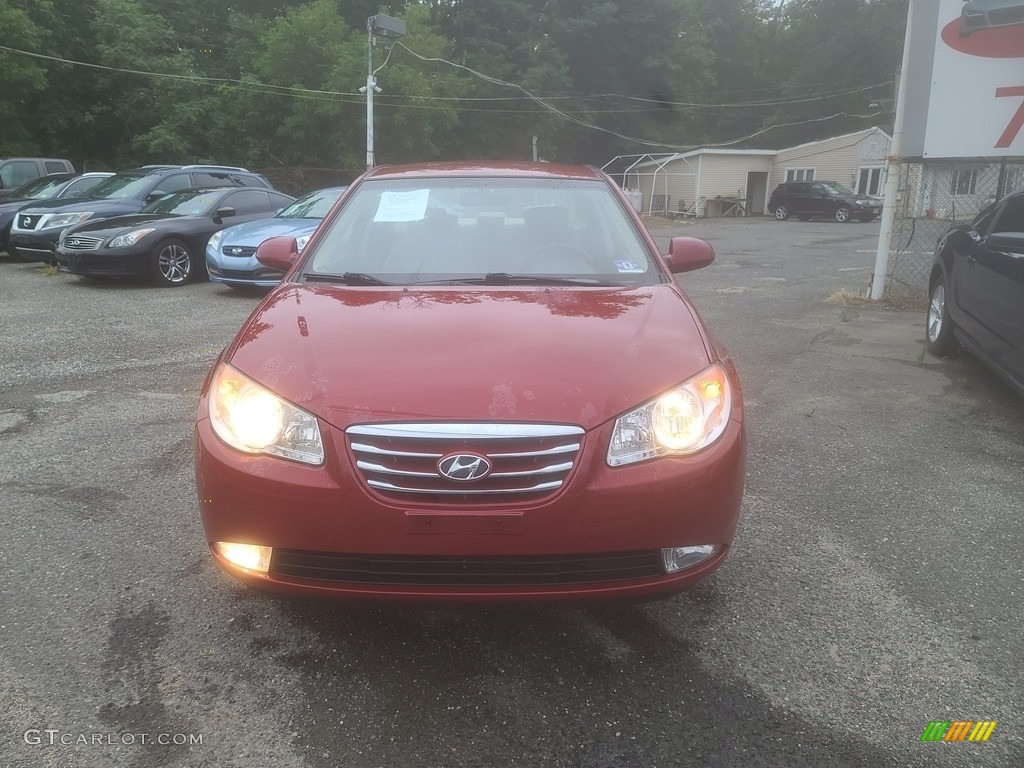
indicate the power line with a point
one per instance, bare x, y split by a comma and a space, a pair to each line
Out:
323, 95
646, 142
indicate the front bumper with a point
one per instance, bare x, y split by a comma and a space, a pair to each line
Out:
240, 271
34, 246
326, 516
111, 263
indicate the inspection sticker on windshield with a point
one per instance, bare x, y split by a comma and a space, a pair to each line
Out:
629, 266
402, 206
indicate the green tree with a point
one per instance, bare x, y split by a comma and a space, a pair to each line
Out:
831, 46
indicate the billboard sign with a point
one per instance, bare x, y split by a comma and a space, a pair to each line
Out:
965, 94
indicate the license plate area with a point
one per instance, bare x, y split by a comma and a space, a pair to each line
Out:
461, 523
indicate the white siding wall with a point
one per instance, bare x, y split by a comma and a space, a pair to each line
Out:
834, 159
720, 175
726, 175
709, 174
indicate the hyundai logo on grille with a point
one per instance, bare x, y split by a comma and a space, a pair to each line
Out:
235, 250
464, 466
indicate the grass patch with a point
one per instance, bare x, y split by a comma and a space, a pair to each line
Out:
49, 270
662, 222
901, 301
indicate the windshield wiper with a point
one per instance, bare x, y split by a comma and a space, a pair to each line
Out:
507, 278
346, 278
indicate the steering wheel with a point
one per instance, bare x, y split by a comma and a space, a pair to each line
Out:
573, 257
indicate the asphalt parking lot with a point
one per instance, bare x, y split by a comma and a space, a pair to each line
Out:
875, 584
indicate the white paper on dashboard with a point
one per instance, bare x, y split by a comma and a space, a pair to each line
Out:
402, 206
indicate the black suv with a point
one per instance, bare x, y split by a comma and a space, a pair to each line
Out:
821, 199
36, 228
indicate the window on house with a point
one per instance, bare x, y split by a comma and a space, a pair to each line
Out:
963, 181
799, 174
869, 181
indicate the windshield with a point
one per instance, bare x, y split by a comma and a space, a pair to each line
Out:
418, 231
121, 186
40, 189
187, 203
315, 205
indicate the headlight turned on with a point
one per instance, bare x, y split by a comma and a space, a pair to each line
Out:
251, 418
682, 421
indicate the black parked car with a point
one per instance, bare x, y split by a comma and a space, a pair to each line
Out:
52, 187
976, 291
167, 239
821, 199
35, 229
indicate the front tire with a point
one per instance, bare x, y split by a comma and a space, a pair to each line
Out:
781, 212
173, 264
938, 325
842, 214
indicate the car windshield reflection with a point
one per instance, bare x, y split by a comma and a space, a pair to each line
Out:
483, 231
188, 203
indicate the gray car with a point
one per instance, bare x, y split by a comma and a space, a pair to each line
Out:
53, 187
984, 14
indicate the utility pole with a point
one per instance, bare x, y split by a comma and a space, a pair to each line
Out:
388, 29
893, 165
369, 88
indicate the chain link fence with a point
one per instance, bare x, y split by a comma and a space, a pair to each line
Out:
933, 195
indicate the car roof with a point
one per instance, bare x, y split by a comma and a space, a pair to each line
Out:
147, 170
486, 169
222, 190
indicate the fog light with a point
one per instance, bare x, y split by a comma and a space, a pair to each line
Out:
681, 558
248, 556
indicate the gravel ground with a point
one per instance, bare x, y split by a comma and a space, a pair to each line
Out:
875, 584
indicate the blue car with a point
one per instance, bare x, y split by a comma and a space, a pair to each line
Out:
231, 253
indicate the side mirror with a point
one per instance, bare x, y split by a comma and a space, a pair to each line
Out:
686, 254
278, 253
156, 194
222, 212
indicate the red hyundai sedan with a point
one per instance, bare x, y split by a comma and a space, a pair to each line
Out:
477, 383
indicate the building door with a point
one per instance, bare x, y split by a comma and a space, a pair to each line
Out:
757, 192
869, 180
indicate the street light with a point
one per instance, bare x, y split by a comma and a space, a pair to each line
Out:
388, 29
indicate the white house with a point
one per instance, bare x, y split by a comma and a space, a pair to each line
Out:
717, 182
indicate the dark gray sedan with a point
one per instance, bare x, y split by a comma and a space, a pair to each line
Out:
976, 293
984, 14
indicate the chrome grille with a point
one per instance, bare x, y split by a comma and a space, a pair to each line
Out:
239, 251
527, 461
81, 243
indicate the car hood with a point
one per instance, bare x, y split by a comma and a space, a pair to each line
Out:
542, 354
113, 225
11, 204
79, 204
255, 232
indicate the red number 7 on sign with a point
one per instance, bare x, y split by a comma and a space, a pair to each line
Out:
1016, 122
